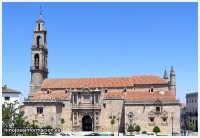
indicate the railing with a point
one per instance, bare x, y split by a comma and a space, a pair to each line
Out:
86, 107
38, 67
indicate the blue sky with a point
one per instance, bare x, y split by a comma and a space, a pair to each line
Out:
103, 40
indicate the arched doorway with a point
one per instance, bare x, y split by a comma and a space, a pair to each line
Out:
87, 123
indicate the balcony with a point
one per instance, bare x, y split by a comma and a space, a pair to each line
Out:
38, 68
86, 106
191, 113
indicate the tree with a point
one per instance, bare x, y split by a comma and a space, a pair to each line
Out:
12, 119
131, 129
192, 127
156, 129
137, 128
4, 87
112, 122
62, 122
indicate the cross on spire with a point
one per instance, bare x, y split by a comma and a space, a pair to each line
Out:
40, 10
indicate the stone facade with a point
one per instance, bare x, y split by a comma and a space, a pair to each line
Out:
89, 104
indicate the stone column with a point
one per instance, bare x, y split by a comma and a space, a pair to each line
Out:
40, 60
94, 98
72, 99
33, 60
73, 118
77, 101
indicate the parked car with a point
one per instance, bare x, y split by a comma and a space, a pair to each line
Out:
93, 134
151, 134
64, 134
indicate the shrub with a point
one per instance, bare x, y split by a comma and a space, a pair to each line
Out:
144, 132
130, 129
156, 129
137, 128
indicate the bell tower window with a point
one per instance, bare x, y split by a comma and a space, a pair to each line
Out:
36, 58
38, 27
38, 41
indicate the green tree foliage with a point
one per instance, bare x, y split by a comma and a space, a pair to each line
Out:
156, 129
192, 127
12, 119
4, 87
131, 129
112, 122
62, 122
137, 128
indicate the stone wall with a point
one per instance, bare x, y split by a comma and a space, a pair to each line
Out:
50, 116
67, 116
112, 107
141, 118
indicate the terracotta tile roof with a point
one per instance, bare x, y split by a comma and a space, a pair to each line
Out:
142, 95
52, 95
102, 82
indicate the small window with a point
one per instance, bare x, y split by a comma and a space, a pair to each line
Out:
157, 109
151, 89
187, 101
66, 91
48, 91
124, 90
151, 120
39, 110
7, 98
38, 27
164, 120
63, 105
106, 90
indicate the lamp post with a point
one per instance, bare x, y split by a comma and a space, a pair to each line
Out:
118, 121
172, 117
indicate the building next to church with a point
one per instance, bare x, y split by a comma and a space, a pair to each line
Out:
89, 104
10, 96
192, 109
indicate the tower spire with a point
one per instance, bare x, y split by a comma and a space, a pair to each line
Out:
173, 80
165, 75
39, 57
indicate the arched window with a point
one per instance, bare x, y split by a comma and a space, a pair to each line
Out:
48, 91
36, 60
38, 41
105, 90
38, 27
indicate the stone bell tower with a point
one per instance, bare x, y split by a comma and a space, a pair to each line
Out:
39, 57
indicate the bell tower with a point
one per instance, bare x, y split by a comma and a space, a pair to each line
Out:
39, 57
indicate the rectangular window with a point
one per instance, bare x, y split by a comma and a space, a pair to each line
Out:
7, 98
39, 110
157, 109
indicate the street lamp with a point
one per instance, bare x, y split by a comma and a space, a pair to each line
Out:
172, 117
118, 121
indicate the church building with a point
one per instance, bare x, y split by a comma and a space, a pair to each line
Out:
89, 104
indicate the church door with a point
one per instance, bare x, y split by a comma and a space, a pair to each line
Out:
87, 123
